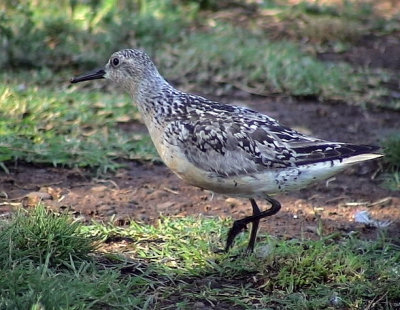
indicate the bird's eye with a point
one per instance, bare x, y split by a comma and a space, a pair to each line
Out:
115, 62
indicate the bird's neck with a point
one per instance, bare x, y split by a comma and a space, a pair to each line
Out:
153, 98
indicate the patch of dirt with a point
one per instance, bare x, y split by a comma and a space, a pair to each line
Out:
144, 191
371, 51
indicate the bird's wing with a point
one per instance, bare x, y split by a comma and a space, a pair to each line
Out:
236, 141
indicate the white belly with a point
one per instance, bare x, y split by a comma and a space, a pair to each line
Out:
266, 182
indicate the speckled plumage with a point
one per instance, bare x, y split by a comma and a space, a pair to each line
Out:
223, 148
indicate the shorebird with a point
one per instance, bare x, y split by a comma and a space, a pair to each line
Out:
223, 148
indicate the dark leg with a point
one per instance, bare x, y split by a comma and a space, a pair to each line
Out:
254, 226
241, 224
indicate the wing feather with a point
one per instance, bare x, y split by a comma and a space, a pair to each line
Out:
230, 140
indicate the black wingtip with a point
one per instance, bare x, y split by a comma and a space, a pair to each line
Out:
365, 149
328, 152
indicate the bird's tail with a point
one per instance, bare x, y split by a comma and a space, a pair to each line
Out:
330, 151
361, 157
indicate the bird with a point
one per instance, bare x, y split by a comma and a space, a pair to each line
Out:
223, 148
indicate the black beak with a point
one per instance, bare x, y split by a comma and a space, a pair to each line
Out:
92, 75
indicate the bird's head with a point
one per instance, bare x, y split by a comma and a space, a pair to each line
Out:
127, 69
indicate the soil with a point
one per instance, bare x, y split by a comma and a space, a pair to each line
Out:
371, 51
144, 191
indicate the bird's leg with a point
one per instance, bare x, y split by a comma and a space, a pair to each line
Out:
239, 225
254, 226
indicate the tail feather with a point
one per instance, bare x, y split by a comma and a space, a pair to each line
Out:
361, 157
347, 153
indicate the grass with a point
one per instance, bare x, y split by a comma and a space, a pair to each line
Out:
43, 238
25, 286
66, 127
47, 262
259, 66
191, 46
392, 150
173, 265
68, 33
317, 26
392, 158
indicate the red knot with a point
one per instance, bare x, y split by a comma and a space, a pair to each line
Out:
223, 148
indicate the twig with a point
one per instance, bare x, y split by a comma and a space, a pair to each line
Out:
375, 301
171, 191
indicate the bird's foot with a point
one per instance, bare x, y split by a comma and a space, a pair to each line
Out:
236, 228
